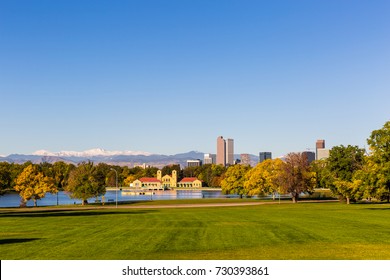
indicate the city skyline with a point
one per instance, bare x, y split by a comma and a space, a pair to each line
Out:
166, 77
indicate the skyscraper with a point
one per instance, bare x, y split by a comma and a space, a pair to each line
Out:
264, 155
221, 151
320, 149
229, 151
310, 156
225, 151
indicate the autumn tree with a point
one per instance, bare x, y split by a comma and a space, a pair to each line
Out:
295, 176
234, 179
33, 184
263, 179
86, 181
379, 144
343, 163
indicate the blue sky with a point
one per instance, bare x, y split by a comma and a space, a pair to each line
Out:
171, 76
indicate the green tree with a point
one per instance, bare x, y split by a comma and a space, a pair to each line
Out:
167, 170
379, 144
33, 184
5, 177
234, 179
342, 164
86, 181
217, 174
263, 178
206, 175
61, 171
295, 176
149, 172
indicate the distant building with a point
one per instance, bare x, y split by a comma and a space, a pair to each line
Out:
321, 152
245, 159
144, 165
148, 184
166, 182
210, 159
194, 162
320, 144
190, 182
311, 156
225, 151
264, 156
221, 151
229, 152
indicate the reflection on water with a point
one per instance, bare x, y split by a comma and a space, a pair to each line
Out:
62, 198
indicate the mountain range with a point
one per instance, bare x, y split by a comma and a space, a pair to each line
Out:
123, 158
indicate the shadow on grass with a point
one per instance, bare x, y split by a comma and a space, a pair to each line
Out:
387, 208
16, 240
70, 213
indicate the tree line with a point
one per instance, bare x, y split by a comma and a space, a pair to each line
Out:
87, 180
351, 173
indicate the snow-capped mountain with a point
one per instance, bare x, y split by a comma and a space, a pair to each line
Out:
90, 153
129, 158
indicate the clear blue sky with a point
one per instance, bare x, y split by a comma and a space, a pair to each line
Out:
171, 76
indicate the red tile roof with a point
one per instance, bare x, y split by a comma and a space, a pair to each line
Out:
149, 180
188, 180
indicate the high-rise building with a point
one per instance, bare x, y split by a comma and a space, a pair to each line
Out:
310, 156
245, 159
221, 151
225, 151
264, 155
210, 158
320, 144
321, 152
229, 151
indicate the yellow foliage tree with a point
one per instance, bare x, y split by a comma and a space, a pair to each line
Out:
263, 179
234, 179
33, 184
129, 180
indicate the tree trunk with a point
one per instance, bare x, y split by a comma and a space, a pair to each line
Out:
23, 203
84, 202
347, 200
35, 203
295, 198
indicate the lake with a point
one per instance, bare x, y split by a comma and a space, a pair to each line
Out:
62, 198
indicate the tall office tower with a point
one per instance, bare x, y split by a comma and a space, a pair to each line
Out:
221, 151
320, 144
264, 155
310, 156
229, 151
210, 158
245, 159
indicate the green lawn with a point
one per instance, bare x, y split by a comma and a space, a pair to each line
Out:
274, 231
